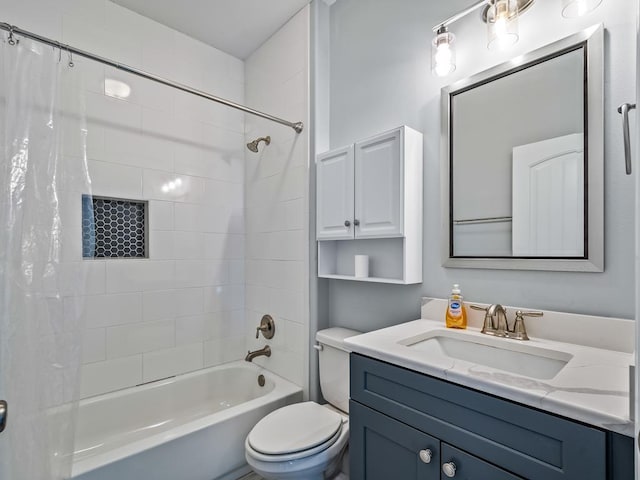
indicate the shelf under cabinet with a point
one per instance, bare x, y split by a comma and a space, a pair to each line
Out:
391, 260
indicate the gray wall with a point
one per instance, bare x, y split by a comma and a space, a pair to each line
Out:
380, 78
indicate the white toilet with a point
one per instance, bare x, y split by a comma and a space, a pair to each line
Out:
306, 441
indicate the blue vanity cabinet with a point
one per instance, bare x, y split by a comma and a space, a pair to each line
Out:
396, 413
383, 448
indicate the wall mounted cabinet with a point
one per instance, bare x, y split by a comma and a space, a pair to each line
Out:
369, 201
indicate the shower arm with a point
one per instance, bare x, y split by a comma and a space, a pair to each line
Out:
13, 30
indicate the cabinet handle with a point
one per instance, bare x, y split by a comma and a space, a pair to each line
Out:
347, 223
425, 455
449, 469
356, 222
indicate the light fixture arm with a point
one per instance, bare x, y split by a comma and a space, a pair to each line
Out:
461, 14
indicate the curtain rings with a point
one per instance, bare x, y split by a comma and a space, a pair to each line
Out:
12, 41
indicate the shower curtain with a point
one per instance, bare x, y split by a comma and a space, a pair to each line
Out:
43, 174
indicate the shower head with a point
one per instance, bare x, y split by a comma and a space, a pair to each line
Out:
253, 146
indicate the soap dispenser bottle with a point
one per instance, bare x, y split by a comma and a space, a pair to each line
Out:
456, 316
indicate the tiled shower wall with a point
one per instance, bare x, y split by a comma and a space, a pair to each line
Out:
276, 182
182, 308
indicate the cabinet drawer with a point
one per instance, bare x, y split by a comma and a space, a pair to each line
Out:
468, 467
525, 441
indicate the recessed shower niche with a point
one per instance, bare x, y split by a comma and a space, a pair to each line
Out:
114, 227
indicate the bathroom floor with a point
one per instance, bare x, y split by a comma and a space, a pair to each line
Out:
251, 476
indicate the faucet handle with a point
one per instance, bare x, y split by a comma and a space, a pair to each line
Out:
267, 327
529, 314
519, 330
478, 307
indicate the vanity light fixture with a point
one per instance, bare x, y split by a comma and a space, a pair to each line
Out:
443, 52
502, 24
501, 17
578, 8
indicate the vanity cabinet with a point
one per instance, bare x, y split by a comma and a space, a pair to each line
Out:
369, 201
395, 414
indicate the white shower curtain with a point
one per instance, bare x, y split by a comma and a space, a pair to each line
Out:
43, 174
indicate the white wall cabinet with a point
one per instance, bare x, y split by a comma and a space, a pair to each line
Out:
334, 187
369, 202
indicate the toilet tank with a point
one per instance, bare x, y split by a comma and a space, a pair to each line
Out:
334, 365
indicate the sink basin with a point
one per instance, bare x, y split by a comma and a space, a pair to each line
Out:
499, 353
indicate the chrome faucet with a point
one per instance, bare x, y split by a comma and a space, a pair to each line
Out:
497, 324
266, 351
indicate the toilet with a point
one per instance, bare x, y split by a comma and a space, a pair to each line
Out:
306, 441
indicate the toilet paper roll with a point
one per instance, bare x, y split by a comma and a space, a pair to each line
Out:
362, 266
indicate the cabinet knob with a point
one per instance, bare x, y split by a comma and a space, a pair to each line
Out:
356, 222
449, 469
425, 455
347, 223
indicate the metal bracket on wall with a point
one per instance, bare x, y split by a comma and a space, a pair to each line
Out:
624, 111
4, 411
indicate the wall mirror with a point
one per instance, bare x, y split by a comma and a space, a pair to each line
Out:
522, 161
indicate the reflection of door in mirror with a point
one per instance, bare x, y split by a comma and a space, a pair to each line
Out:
548, 198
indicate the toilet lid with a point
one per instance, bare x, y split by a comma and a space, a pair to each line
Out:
294, 428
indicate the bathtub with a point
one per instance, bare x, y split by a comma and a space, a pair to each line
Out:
189, 427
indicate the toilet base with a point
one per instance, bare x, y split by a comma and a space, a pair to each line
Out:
317, 472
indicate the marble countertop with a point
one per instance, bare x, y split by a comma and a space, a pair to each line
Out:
593, 387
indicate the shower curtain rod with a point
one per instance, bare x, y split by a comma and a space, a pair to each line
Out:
13, 30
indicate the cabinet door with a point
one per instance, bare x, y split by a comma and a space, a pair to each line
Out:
382, 448
334, 194
462, 466
379, 185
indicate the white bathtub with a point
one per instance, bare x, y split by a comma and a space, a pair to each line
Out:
190, 427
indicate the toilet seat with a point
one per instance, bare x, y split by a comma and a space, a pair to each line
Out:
294, 432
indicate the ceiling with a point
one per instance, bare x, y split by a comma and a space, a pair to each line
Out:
237, 27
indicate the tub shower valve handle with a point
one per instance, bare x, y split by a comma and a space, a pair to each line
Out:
267, 327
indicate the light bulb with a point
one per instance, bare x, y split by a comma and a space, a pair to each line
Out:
443, 54
502, 24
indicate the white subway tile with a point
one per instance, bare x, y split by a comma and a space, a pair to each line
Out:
158, 185
189, 245
172, 361
190, 273
109, 310
111, 375
189, 217
214, 352
236, 272
294, 337
86, 277
112, 180
158, 305
194, 328
162, 245
233, 349
216, 273
189, 301
114, 113
125, 340
139, 275
93, 345
160, 215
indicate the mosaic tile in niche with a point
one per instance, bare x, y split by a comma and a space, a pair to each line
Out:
113, 228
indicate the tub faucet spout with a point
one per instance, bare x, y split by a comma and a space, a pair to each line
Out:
266, 351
